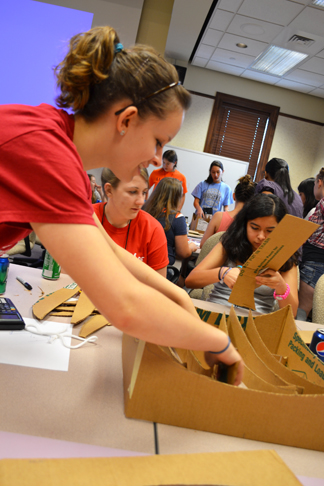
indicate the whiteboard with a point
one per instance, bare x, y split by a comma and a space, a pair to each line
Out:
195, 167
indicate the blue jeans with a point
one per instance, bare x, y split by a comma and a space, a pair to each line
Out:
310, 272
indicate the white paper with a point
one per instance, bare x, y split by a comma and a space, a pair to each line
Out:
23, 348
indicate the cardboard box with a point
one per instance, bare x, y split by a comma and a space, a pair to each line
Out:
180, 469
199, 224
158, 388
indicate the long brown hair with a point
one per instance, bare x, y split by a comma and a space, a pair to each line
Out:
164, 200
97, 72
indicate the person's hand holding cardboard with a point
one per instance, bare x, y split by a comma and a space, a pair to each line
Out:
286, 238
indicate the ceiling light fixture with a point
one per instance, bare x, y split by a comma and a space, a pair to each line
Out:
318, 3
241, 45
276, 60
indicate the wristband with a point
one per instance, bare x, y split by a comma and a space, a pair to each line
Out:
223, 350
219, 273
224, 275
282, 296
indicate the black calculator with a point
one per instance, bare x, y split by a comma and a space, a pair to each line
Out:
10, 319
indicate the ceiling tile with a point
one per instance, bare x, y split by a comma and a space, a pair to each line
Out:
315, 65
233, 58
199, 61
205, 51
317, 92
220, 19
254, 48
230, 5
263, 78
285, 83
224, 68
320, 54
304, 2
270, 10
212, 37
305, 77
310, 20
254, 29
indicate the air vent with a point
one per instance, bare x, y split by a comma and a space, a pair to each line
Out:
299, 40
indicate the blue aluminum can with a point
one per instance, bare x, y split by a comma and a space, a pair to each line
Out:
4, 266
317, 343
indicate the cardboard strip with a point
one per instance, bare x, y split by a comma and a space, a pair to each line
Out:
284, 241
83, 309
92, 325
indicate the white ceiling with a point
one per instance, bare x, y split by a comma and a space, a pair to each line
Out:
256, 23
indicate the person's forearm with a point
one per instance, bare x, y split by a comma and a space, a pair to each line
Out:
128, 304
199, 278
148, 276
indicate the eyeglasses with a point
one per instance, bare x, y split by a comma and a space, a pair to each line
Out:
159, 91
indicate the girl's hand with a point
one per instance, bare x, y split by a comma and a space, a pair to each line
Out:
231, 277
230, 357
200, 213
272, 279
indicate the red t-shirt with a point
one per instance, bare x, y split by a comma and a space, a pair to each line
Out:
42, 175
159, 174
146, 238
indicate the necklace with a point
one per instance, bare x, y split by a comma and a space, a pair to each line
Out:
102, 221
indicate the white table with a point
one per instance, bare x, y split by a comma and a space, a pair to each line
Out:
85, 404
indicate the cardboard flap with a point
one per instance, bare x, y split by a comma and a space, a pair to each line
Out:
49, 302
92, 325
83, 309
283, 242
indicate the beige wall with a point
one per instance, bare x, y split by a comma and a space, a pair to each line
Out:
300, 143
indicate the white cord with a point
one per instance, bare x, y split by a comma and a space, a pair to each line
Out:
35, 329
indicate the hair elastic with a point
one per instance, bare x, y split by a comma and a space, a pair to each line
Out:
118, 47
223, 350
282, 296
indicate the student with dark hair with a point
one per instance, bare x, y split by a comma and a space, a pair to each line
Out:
312, 265
212, 194
168, 169
126, 104
306, 192
163, 204
277, 182
221, 220
251, 226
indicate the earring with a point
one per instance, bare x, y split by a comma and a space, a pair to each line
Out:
122, 132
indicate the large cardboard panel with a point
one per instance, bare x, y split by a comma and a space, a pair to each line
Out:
279, 333
286, 238
288, 375
185, 469
159, 389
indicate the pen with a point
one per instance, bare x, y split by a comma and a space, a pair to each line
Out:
25, 284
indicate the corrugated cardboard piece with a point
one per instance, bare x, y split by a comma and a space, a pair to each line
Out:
248, 468
278, 404
284, 241
58, 304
